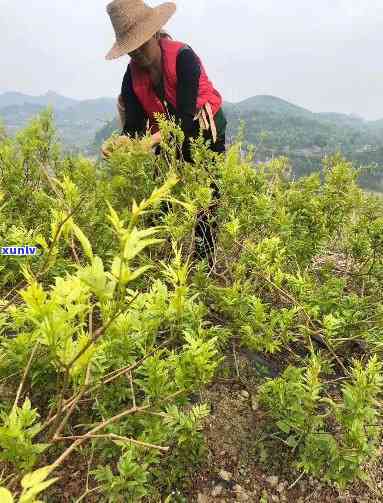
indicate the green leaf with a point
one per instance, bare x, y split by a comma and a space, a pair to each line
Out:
135, 274
28, 497
189, 207
30, 479
115, 220
5, 496
135, 243
292, 441
83, 240
282, 425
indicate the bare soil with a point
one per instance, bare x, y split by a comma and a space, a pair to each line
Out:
244, 464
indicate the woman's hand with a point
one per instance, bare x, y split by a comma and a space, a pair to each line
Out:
104, 151
114, 143
155, 139
121, 110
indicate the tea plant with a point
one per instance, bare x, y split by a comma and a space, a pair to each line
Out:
106, 334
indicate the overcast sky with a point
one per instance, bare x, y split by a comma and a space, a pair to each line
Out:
325, 55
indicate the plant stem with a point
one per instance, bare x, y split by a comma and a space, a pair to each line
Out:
112, 436
103, 425
25, 375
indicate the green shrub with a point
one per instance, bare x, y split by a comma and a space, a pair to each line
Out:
114, 325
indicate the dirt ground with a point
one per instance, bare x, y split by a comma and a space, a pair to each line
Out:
242, 462
244, 465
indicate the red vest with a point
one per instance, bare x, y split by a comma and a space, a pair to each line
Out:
144, 91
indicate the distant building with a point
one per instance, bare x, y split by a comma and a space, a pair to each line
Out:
367, 148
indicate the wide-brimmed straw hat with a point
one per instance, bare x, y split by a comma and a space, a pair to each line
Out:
135, 23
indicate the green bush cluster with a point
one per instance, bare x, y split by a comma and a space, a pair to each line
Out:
108, 332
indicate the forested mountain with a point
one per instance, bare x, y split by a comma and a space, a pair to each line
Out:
49, 98
283, 127
273, 125
291, 127
277, 127
266, 103
77, 121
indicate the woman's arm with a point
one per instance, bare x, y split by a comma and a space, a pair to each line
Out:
132, 115
135, 117
121, 111
188, 76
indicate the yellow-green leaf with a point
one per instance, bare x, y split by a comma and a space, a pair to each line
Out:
189, 207
29, 495
83, 240
135, 274
135, 208
5, 496
134, 243
30, 479
115, 220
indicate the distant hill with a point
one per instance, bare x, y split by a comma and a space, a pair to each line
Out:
20, 112
342, 119
278, 127
290, 127
282, 108
77, 121
268, 104
104, 133
100, 109
49, 98
376, 125
274, 125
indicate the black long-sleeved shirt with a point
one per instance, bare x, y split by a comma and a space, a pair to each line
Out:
188, 75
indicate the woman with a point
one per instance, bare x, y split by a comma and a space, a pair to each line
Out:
163, 76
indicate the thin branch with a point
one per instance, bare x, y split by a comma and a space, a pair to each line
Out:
97, 428
73, 405
60, 403
106, 380
21, 284
112, 436
114, 376
60, 408
106, 423
236, 361
73, 248
49, 179
89, 465
296, 481
88, 491
132, 389
100, 331
57, 235
125, 370
25, 375
4, 379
